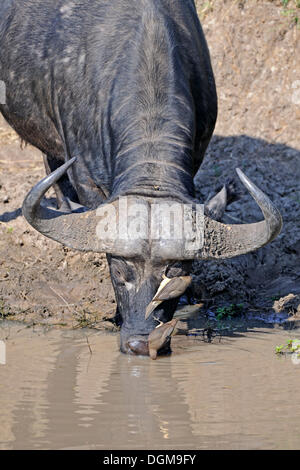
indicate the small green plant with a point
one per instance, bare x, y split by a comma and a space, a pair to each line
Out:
290, 9
294, 3
279, 349
290, 347
293, 345
230, 311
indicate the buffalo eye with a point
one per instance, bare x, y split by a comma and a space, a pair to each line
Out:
121, 272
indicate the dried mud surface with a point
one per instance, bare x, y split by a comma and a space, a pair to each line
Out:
254, 48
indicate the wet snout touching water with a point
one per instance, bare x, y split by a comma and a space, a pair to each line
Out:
137, 285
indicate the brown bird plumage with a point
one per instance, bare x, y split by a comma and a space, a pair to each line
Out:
174, 288
159, 336
169, 288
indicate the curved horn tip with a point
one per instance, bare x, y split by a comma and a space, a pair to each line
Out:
244, 179
252, 188
33, 198
69, 163
270, 211
60, 171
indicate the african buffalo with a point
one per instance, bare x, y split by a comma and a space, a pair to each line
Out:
120, 97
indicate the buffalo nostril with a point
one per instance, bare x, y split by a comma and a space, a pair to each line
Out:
138, 346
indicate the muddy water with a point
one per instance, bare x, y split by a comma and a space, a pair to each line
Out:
73, 389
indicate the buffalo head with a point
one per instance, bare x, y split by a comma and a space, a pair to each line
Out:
149, 267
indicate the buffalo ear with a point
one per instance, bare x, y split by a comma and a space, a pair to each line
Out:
216, 206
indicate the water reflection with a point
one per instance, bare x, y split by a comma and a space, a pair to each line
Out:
236, 394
